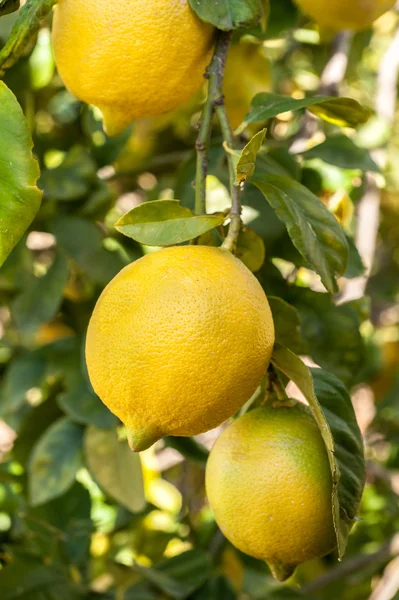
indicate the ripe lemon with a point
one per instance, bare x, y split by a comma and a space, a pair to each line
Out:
178, 342
131, 59
343, 14
269, 484
247, 74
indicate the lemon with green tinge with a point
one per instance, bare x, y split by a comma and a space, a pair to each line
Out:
131, 59
269, 484
343, 14
178, 341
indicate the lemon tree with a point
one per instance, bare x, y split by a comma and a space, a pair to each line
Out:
198, 317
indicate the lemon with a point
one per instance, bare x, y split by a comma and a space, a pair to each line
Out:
343, 14
131, 59
178, 342
247, 74
269, 485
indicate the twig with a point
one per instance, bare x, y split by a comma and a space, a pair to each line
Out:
215, 74
351, 566
368, 209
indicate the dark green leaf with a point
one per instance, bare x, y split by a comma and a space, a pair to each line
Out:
83, 406
246, 164
332, 332
8, 6
314, 231
165, 223
40, 301
217, 588
115, 467
229, 14
28, 579
179, 576
72, 180
355, 266
287, 325
25, 372
19, 197
54, 462
341, 151
26, 26
64, 523
340, 111
83, 241
333, 411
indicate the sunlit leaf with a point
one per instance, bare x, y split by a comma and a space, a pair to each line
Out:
340, 111
165, 223
19, 197
246, 164
251, 249
229, 14
341, 151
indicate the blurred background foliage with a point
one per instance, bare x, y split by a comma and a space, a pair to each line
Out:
81, 516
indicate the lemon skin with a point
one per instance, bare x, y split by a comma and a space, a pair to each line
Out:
178, 342
269, 484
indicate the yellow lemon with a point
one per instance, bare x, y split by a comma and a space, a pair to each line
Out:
343, 14
269, 484
131, 59
247, 74
178, 342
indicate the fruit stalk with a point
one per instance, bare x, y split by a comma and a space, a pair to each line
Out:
215, 74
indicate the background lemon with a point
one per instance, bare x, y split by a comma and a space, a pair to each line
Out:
131, 59
269, 484
344, 14
178, 342
247, 74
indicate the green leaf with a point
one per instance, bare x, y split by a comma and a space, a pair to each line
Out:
217, 588
341, 151
251, 249
83, 241
19, 197
28, 579
333, 334
64, 522
83, 406
229, 14
179, 576
355, 266
25, 28
25, 372
165, 223
54, 462
8, 6
333, 411
340, 111
116, 469
314, 231
42, 297
73, 179
246, 164
287, 324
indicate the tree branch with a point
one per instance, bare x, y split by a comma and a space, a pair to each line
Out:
215, 74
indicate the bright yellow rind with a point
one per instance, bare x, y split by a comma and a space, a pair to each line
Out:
178, 342
131, 59
269, 484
